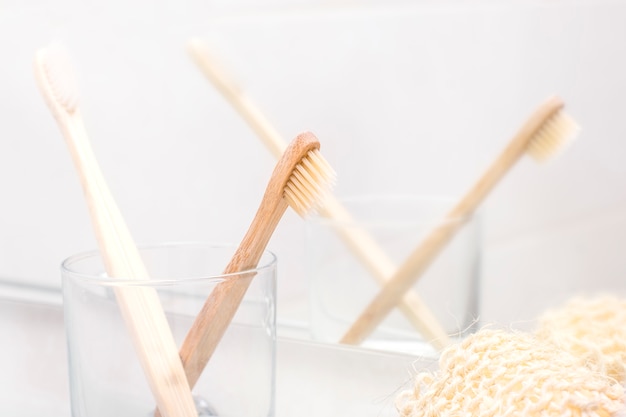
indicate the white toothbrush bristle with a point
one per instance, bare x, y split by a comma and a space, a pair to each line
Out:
558, 131
59, 73
309, 183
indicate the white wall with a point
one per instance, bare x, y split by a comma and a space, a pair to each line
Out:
414, 97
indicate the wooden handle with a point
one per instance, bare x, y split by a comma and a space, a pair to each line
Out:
140, 306
244, 106
360, 243
419, 260
223, 302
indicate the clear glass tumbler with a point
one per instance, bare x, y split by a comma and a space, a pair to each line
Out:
106, 377
342, 283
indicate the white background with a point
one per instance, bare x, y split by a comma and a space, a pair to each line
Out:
405, 97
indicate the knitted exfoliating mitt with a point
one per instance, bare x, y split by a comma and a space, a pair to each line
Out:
592, 329
498, 373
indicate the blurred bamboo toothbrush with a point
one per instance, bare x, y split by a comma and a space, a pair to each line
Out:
545, 133
300, 179
359, 241
140, 307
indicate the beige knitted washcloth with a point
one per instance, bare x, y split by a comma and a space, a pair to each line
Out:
591, 328
498, 373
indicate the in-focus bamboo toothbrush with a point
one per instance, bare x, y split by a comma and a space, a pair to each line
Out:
544, 134
140, 306
359, 241
300, 179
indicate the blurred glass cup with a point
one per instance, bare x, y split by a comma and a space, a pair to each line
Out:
341, 286
106, 378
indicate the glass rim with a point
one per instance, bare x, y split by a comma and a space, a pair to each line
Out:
105, 280
374, 221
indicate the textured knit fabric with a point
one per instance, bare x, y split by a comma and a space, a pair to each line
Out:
593, 329
498, 373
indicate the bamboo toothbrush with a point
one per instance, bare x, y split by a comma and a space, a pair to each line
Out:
359, 241
544, 134
140, 307
300, 179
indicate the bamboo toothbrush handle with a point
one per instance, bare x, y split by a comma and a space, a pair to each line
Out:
221, 305
427, 250
360, 243
140, 306
211, 324
244, 106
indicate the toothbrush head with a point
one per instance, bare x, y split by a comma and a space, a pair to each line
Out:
311, 178
55, 76
554, 133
